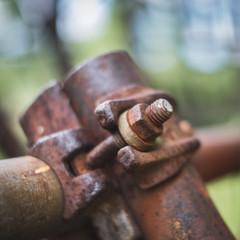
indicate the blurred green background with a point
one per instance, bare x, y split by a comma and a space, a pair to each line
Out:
189, 48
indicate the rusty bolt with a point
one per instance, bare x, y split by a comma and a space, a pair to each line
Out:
140, 125
146, 121
159, 111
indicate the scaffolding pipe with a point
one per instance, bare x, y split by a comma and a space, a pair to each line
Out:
31, 199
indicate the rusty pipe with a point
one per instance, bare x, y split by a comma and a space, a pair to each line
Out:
179, 208
219, 153
31, 199
32, 202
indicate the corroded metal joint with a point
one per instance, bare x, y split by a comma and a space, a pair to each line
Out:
169, 160
61, 143
142, 124
131, 136
62, 129
128, 106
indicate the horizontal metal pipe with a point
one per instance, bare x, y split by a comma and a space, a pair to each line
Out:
219, 153
31, 199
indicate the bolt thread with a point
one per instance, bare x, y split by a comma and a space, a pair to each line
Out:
119, 140
159, 111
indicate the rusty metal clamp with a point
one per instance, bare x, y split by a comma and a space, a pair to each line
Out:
121, 155
57, 138
154, 152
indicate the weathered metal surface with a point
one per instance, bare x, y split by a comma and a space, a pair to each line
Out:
140, 123
113, 221
133, 160
31, 199
179, 207
131, 137
171, 202
176, 221
152, 168
51, 112
138, 127
94, 80
65, 151
158, 165
79, 191
59, 147
111, 106
105, 151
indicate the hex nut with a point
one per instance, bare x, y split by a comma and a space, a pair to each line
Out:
141, 124
130, 137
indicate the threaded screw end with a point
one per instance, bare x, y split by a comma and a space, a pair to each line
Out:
159, 111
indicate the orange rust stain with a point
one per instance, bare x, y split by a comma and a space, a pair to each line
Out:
177, 224
182, 235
